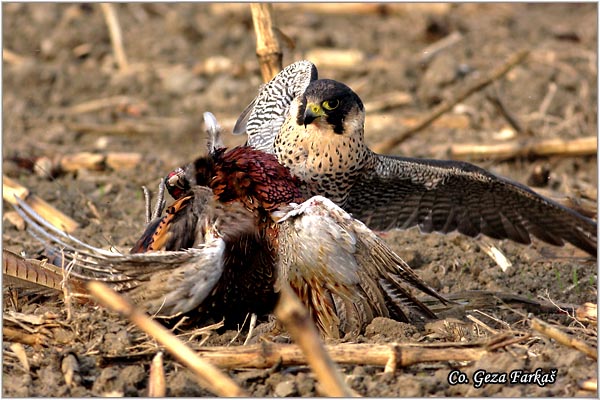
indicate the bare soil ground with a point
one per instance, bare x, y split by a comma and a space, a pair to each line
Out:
185, 59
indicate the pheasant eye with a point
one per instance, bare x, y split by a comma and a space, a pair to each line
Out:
331, 104
176, 183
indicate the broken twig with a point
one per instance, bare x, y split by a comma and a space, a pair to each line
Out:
16, 335
21, 355
99, 104
326, 57
268, 354
512, 120
387, 101
530, 148
295, 318
432, 50
267, 47
11, 188
562, 338
10, 57
70, 369
209, 376
116, 37
590, 385
156, 382
588, 312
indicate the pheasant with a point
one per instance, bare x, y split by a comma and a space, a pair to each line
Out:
315, 127
237, 231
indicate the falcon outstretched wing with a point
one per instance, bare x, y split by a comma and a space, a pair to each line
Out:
444, 196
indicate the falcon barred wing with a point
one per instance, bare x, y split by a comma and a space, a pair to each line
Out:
343, 272
445, 196
165, 283
263, 117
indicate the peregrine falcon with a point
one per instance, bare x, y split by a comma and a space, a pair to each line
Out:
315, 127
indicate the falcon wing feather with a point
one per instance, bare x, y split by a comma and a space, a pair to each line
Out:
445, 196
263, 117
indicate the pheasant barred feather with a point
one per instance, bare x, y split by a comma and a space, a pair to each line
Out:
166, 283
237, 231
345, 273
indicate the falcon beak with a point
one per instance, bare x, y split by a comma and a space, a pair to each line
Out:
312, 112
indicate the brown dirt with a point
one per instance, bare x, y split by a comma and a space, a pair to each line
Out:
68, 60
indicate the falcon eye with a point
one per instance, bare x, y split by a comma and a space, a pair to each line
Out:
331, 104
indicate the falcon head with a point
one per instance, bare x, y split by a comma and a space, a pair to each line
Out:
332, 105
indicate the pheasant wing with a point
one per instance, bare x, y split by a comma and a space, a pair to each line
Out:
166, 283
342, 271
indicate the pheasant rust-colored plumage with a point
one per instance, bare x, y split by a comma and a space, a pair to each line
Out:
244, 246
247, 175
315, 127
343, 273
255, 180
160, 235
245, 178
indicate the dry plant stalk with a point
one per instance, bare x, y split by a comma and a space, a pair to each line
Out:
19, 351
97, 161
98, 104
10, 57
53, 166
298, 323
588, 312
347, 8
326, 57
562, 338
589, 385
386, 123
11, 188
208, 376
389, 144
267, 354
532, 148
157, 386
267, 46
344, 9
118, 128
495, 254
387, 101
18, 336
428, 53
512, 120
368, 8
116, 37
15, 219
70, 369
